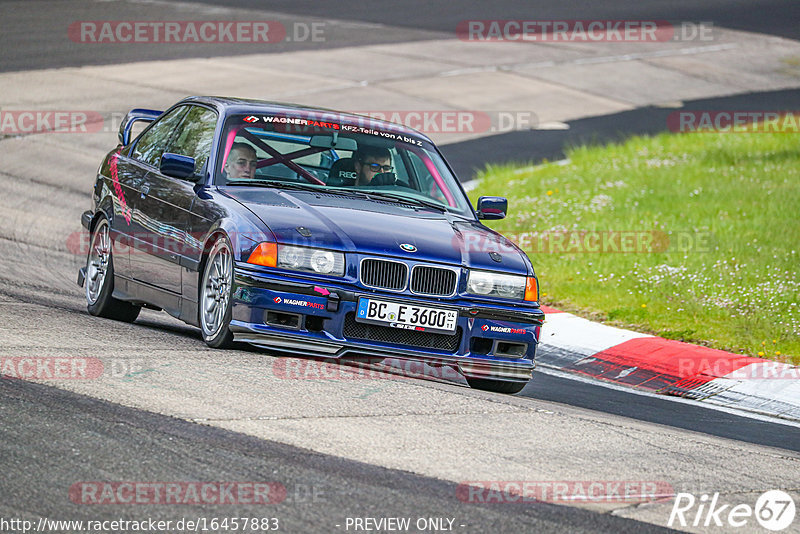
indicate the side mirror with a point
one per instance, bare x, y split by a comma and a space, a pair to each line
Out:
177, 166
492, 208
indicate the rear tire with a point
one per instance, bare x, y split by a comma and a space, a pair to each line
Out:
100, 279
497, 386
216, 295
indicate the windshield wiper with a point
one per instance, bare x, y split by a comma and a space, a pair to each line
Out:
344, 192
407, 200
277, 184
297, 186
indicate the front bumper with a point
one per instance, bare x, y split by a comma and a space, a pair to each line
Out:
318, 319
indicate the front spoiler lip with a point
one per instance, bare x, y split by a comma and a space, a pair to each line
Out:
520, 371
479, 311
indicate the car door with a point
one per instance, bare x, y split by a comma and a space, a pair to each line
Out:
166, 203
125, 181
147, 261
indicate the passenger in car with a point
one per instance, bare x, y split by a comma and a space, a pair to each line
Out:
241, 163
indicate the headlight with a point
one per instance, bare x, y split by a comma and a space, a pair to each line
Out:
489, 284
323, 261
311, 260
291, 258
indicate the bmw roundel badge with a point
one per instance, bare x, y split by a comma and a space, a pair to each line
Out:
408, 247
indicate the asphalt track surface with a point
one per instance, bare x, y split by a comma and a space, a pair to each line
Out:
49, 438
33, 36
775, 17
33, 33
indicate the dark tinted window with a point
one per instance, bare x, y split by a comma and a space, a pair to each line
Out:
153, 142
195, 135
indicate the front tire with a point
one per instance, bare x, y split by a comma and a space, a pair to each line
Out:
497, 386
216, 295
100, 279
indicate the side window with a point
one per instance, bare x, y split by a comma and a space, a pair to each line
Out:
426, 182
152, 143
422, 172
400, 168
195, 135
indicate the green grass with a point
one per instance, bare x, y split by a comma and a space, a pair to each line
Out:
728, 205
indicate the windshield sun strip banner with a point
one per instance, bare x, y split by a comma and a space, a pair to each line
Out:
332, 122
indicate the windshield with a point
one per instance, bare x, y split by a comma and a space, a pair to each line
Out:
343, 158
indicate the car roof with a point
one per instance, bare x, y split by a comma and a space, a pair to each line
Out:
233, 106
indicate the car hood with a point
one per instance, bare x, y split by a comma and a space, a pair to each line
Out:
379, 228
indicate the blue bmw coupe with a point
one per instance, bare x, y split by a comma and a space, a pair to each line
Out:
308, 231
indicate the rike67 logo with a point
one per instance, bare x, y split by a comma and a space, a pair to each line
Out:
774, 510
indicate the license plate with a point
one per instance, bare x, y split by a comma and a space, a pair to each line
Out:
406, 316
